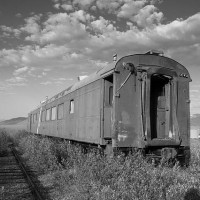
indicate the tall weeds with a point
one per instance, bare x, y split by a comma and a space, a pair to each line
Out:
77, 175
3, 141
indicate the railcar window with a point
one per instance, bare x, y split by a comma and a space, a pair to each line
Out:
48, 114
33, 119
110, 95
61, 111
71, 109
53, 113
43, 116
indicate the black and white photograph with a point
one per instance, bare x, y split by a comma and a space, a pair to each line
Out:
99, 100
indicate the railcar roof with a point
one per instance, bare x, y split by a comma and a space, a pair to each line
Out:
101, 73
91, 78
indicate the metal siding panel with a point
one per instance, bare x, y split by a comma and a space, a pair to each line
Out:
88, 113
183, 112
127, 108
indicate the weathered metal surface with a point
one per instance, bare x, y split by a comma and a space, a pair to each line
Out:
129, 121
168, 120
108, 88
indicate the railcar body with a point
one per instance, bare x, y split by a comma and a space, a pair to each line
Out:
141, 101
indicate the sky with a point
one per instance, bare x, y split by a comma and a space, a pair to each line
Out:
46, 44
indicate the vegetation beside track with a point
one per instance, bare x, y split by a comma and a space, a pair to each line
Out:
3, 142
75, 175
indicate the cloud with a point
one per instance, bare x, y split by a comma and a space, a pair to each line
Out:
102, 26
3, 87
67, 40
32, 27
83, 35
56, 81
67, 7
130, 8
46, 83
83, 3
20, 70
80, 34
58, 28
60, 81
148, 17
10, 32
57, 5
81, 16
16, 79
110, 5
79, 41
18, 15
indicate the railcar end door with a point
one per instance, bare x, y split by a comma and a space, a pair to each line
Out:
108, 98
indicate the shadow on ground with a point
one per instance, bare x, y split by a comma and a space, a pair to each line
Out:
192, 194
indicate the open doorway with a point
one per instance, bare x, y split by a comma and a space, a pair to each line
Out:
108, 100
160, 106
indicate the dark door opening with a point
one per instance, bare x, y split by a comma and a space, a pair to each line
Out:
160, 96
108, 99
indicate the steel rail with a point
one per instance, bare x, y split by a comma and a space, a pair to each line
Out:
33, 187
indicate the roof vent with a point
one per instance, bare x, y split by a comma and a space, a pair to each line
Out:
114, 57
80, 78
155, 52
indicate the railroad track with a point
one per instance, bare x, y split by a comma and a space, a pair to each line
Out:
15, 180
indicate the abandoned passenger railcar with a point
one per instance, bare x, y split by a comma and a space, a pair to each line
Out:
141, 101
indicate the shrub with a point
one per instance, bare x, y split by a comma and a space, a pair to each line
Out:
3, 141
40, 152
77, 175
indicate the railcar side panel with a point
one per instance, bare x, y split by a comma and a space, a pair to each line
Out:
183, 112
81, 116
127, 94
86, 119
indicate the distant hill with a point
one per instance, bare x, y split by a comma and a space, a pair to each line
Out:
13, 121
195, 120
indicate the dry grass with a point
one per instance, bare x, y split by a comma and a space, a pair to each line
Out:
3, 141
75, 175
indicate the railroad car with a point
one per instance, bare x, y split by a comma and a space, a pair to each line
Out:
140, 102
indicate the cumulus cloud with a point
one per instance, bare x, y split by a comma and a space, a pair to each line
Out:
69, 39
61, 28
82, 16
110, 5
130, 8
9, 32
57, 5
102, 26
76, 39
83, 3
140, 13
148, 17
67, 7
32, 27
